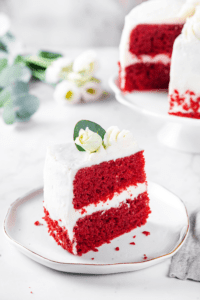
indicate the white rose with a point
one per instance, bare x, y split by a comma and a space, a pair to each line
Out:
91, 91
59, 69
67, 92
4, 24
90, 141
86, 63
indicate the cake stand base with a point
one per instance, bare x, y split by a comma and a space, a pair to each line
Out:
183, 138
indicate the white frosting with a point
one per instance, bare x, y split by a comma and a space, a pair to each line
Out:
185, 65
191, 29
189, 8
63, 162
150, 12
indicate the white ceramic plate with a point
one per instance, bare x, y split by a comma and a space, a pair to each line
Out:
180, 133
168, 226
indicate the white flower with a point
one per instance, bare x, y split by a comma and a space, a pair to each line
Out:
90, 141
58, 69
91, 91
86, 63
4, 24
67, 92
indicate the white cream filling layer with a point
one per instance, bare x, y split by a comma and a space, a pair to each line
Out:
73, 215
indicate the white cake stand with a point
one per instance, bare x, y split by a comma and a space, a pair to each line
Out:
180, 133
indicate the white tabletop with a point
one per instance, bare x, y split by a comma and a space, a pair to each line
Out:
22, 154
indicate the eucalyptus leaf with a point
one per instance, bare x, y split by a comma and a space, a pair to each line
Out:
83, 124
26, 105
5, 95
3, 46
3, 63
14, 73
19, 88
49, 55
9, 113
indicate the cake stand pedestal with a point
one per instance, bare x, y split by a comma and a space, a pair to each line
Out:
179, 133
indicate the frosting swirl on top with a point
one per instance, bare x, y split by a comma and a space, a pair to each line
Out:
189, 8
191, 29
115, 137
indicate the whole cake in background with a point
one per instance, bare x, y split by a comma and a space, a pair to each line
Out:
184, 87
95, 188
147, 42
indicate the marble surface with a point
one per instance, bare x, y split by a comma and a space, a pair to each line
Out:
22, 153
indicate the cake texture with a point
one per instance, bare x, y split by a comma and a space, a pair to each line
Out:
94, 196
184, 88
146, 44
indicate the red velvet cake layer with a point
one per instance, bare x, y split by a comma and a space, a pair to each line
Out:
101, 227
146, 77
59, 234
101, 182
187, 102
154, 39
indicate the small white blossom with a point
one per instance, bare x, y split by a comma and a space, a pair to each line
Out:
90, 141
86, 63
67, 92
91, 91
4, 24
58, 69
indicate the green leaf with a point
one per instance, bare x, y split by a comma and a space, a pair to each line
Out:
38, 61
18, 59
49, 55
14, 73
3, 46
83, 124
27, 106
39, 75
3, 63
9, 113
19, 88
5, 95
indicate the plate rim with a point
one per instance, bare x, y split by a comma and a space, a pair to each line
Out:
122, 99
40, 190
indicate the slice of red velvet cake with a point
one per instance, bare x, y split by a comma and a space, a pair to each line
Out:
146, 44
96, 194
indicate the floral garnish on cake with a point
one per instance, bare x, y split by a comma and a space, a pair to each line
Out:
89, 136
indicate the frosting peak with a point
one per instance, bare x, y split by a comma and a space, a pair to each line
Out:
188, 9
191, 29
114, 136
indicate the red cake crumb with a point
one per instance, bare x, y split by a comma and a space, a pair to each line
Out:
114, 176
117, 249
37, 223
92, 258
95, 250
194, 104
146, 233
60, 220
83, 210
145, 257
153, 39
132, 243
134, 236
115, 222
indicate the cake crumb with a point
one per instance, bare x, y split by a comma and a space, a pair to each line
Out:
145, 257
83, 210
146, 233
37, 223
117, 248
92, 258
132, 243
95, 250
134, 236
